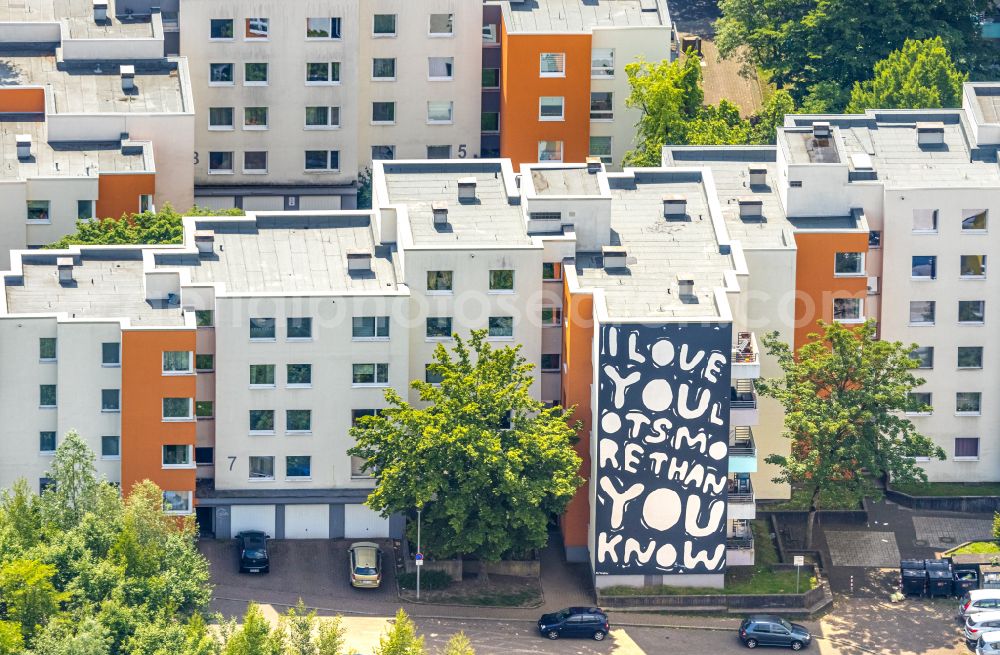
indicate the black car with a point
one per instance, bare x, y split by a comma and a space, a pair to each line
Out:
575, 622
253, 552
770, 630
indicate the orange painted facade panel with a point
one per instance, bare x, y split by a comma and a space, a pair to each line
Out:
523, 86
119, 193
144, 386
578, 338
815, 282
22, 100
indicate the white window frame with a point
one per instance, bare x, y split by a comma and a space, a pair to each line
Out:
270, 478
850, 321
329, 81
490, 33
262, 433
386, 35
861, 268
451, 330
441, 35
559, 58
255, 171
561, 151
190, 457
39, 221
982, 322
556, 320
962, 276
607, 159
923, 323
978, 412
930, 403
298, 478
968, 458
329, 167
562, 108
298, 432
274, 377
267, 78
298, 385
222, 39
222, 128
329, 28
602, 72
440, 78
376, 383
329, 117
383, 122
934, 214
982, 355
384, 79
604, 115
92, 211
232, 73
255, 39
111, 458
377, 337
932, 276
179, 512
179, 419
221, 171
969, 213
451, 112
190, 368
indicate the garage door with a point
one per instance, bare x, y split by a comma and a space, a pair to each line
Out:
215, 202
263, 203
307, 521
319, 202
251, 517
361, 522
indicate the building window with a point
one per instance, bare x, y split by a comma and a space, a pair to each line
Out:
491, 78
431, 376
261, 421
145, 203
925, 220
204, 409
923, 267
111, 400
924, 355
38, 211
438, 327
502, 280
551, 362
551, 316
442, 25
298, 467
490, 121
220, 162
177, 409
970, 357
257, 28
46, 442
46, 395
221, 75
176, 361
221, 29
323, 28
384, 68
255, 118
874, 239
971, 311
439, 281
501, 326
298, 328
322, 117
440, 69
323, 72
261, 467
111, 354
298, 375
550, 108
383, 112
47, 349
204, 456
973, 266
922, 312
602, 107
255, 161
262, 375
370, 327
848, 310
552, 64
600, 146
438, 152
298, 420
490, 33
322, 160
262, 329
384, 25
85, 210
551, 271
919, 402
974, 220
175, 455
550, 151
111, 447
968, 402
967, 448
440, 111
383, 152
370, 374
602, 62
220, 118
849, 263
255, 74
204, 318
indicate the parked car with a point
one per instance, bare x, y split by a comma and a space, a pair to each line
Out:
365, 560
988, 644
575, 622
770, 630
980, 623
253, 552
979, 600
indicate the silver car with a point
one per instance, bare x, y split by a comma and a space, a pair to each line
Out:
988, 644
979, 600
976, 625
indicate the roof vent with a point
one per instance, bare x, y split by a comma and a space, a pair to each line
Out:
467, 189
23, 142
822, 130
614, 256
65, 268
758, 176
359, 260
930, 134
128, 78
674, 206
751, 208
440, 210
593, 165
204, 240
100, 11
685, 285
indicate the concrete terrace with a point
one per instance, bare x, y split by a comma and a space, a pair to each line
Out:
77, 16
574, 16
79, 159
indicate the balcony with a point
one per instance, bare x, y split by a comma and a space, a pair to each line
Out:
743, 403
739, 544
741, 498
745, 357
742, 451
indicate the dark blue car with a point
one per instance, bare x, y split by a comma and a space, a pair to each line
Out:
589, 622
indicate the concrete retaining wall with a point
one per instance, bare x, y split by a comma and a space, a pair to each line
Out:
971, 504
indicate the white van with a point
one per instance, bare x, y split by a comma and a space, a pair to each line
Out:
976, 625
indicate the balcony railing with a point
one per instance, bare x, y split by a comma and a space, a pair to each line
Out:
741, 491
739, 543
741, 443
745, 349
742, 395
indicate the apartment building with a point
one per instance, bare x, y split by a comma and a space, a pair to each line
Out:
562, 79
294, 99
86, 101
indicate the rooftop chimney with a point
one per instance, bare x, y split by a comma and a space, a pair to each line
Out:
758, 176
614, 256
440, 210
100, 11
593, 165
359, 259
930, 134
822, 130
23, 142
685, 285
128, 78
674, 206
751, 208
466, 189
65, 267
204, 240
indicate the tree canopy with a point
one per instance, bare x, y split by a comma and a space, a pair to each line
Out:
918, 75
160, 227
845, 394
488, 464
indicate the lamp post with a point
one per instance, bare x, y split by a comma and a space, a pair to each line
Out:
419, 561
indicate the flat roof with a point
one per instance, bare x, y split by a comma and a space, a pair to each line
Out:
582, 15
103, 288
288, 255
96, 87
564, 182
661, 248
988, 99
493, 219
77, 16
76, 158
804, 148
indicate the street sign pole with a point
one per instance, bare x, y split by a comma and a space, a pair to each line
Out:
419, 554
800, 560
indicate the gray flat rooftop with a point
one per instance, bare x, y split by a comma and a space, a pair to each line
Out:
297, 255
103, 288
661, 249
65, 159
582, 15
988, 100
77, 16
490, 220
82, 89
564, 182
804, 148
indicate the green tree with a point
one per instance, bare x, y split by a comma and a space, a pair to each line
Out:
255, 636
401, 638
20, 518
996, 525
67, 636
920, 75
365, 189
160, 227
11, 640
76, 488
330, 637
459, 644
299, 625
28, 596
488, 463
844, 394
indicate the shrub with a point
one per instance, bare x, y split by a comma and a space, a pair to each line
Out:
428, 580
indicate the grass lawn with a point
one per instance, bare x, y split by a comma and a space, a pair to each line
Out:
765, 554
739, 580
831, 499
977, 548
950, 489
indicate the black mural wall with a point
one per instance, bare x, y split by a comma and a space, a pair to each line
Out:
662, 453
